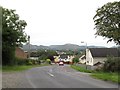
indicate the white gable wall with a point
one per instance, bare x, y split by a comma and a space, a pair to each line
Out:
89, 58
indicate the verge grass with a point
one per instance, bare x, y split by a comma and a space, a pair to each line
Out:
20, 67
81, 69
106, 76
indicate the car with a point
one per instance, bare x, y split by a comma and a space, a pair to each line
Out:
61, 63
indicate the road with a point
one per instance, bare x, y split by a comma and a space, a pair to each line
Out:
53, 76
63, 77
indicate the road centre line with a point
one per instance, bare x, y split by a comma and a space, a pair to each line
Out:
51, 74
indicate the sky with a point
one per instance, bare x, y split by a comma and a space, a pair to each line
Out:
57, 22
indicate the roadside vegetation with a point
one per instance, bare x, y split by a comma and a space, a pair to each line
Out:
106, 76
81, 69
20, 67
13, 35
25, 64
109, 72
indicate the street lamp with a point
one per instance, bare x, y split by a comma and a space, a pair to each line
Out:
85, 44
85, 52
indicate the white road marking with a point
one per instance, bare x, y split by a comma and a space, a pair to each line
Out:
51, 74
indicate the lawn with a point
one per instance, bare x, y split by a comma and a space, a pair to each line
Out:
106, 76
20, 68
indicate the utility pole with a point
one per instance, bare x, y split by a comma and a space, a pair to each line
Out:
85, 50
29, 46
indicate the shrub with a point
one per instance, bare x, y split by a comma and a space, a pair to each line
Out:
27, 61
20, 61
75, 60
112, 64
48, 61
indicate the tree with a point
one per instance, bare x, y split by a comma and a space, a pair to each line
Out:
107, 21
75, 60
12, 34
112, 64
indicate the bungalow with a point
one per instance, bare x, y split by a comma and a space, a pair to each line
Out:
96, 56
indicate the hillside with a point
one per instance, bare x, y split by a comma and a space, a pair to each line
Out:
59, 47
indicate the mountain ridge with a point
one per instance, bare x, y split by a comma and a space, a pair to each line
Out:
59, 47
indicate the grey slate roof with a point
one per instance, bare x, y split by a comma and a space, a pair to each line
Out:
104, 52
63, 56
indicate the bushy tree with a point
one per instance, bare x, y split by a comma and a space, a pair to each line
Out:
46, 54
75, 60
107, 21
12, 34
112, 64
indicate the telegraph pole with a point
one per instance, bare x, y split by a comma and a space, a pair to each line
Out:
29, 46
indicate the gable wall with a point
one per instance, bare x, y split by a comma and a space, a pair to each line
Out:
89, 58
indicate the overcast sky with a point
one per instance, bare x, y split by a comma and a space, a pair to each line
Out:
57, 22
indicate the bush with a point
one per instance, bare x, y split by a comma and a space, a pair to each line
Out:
112, 64
27, 62
48, 61
20, 61
75, 60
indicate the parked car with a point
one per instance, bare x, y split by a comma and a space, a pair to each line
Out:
61, 63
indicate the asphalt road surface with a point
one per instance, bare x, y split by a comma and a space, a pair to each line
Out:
63, 77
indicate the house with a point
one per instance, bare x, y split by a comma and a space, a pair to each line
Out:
34, 58
34, 55
19, 53
65, 58
82, 59
97, 56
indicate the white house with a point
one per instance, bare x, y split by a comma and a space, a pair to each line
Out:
95, 56
34, 58
64, 57
82, 59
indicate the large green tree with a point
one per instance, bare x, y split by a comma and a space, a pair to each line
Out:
107, 21
12, 35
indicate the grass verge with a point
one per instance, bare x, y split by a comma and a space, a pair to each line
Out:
106, 76
81, 69
19, 68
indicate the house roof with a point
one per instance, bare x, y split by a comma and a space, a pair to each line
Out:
104, 52
63, 56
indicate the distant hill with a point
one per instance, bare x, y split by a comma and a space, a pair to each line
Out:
65, 47
59, 47
34, 47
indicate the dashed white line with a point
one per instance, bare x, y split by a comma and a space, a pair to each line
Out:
51, 74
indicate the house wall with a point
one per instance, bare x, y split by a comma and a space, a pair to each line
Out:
19, 53
89, 58
56, 59
99, 59
34, 58
82, 60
